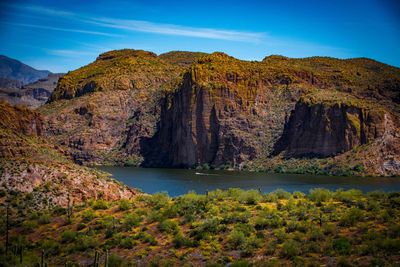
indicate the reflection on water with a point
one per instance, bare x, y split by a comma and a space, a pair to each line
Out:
180, 181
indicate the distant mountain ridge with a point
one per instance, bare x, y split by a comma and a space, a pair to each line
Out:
16, 70
31, 95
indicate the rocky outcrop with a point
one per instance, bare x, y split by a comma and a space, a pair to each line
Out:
30, 164
102, 111
218, 116
326, 129
21, 120
31, 95
184, 109
8, 83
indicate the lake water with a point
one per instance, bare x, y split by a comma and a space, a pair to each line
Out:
180, 181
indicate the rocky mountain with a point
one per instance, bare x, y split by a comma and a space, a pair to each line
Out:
30, 164
8, 83
180, 109
102, 111
16, 70
31, 95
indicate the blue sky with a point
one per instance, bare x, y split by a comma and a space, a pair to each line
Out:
65, 35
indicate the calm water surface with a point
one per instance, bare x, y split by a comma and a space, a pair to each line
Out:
178, 181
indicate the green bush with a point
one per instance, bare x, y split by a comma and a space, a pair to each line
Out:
30, 226
290, 249
180, 241
236, 238
351, 217
100, 205
130, 220
319, 195
45, 218
342, 246
84, 242
124, 204
68, 236
115, 261
167, 226
88, 215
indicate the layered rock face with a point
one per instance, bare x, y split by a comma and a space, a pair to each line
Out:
30, 164
101, 111
327, 129
174, 110
31, 95
222, 112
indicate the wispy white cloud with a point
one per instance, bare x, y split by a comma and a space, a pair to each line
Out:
178, 30
70, 53
140, 26
59, 29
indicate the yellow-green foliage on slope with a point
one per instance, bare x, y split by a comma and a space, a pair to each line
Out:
242, 228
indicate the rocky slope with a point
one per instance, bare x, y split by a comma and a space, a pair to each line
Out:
102, 111
16, 70
30, 164
226, 111
8, 83
281, 114
33, 94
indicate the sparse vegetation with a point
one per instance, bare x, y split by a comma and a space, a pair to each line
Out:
233, 226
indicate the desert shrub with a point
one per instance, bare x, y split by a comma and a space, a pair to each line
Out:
290, 249
280, 235
249, 247
319, 195
179, 241
128, 242
167, 226
158, 200
313, 247
115, 261
68, 236
236, 238
315, 235
281, 194
29, 226
236, 217
276, 222
260, 223
107, 222
250, 197
45, 218
130, 220
84, 242
51, 247
342, 246
191, 203
351, 217
298, 195
100, 205
124, 204
328, 229
347, 196
88, 215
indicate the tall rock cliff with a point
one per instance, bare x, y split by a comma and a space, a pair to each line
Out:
327, 128
183, 109
101, 111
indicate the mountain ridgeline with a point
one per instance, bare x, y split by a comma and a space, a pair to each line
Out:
182, 109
